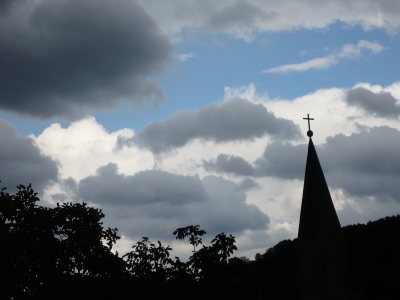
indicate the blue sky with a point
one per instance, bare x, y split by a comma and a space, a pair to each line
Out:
208, 98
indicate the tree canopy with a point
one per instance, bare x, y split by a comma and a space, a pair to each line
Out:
64, 252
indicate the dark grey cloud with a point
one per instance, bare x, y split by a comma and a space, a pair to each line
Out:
143, 188
154, 203
69, 189
235, 119
67, 57
240, 15
381, 104
227, 210
363, 165
229, 164
282, 160
248, 184
21, 161
5, 4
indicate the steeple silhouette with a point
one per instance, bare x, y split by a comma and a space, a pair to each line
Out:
318, 216
321, 250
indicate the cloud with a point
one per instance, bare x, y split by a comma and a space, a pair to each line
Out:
238, 16
145, 187
235, 119
279, 160
354, 51
69, 57
381, 104
239, 13
154, 203
4, 5
247, 16
229, 164
85, 145
315, 63
348, 51
248, 184
22, 162
282, 161
365, 164
185, 56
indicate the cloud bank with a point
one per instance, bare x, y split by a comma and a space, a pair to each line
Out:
69, 57
4, 5
145, 187
362, 165
258, 199
233, 120
244, 17
158, 202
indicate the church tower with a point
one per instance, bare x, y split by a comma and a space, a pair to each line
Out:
321, 249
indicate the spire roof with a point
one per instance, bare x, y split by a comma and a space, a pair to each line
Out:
318, 216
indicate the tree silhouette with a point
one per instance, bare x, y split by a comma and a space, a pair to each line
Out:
64, 252
44, 246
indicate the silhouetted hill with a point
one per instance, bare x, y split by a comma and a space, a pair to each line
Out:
374, 261
373, 256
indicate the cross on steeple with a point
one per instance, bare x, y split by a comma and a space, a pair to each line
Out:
309, 132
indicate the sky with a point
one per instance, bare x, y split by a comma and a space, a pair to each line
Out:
172, 113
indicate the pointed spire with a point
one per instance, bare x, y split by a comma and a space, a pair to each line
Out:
318, 216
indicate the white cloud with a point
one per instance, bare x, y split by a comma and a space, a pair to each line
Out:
348, 51
85, 145
354, 51
242, 18
374, 47
304, 52
315, 63
185, 56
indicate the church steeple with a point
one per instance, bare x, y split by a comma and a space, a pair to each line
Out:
321, 249
318, 216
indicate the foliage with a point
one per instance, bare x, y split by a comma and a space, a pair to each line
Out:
192, 232
64, 252
42, 243
48, 248
147, 260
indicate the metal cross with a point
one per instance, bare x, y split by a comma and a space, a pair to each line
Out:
308, 119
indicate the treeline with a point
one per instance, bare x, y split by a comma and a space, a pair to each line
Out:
373, 251
65, 253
